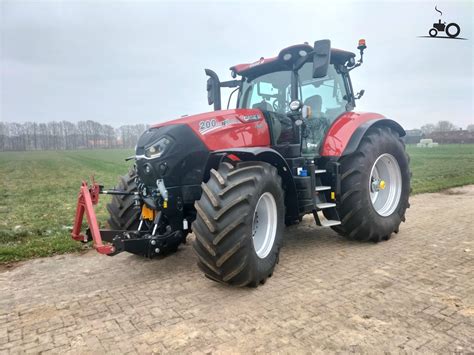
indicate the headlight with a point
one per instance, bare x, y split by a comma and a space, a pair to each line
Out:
156, 149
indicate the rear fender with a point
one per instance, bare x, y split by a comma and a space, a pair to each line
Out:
346, 133
272, 157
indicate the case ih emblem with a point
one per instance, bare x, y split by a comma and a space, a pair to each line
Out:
258, 62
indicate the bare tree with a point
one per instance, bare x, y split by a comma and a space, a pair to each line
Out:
66, 135
445, 126
428, 128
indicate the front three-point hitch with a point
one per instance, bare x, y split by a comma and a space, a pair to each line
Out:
143, 241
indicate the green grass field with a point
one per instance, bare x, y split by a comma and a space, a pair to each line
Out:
38, 191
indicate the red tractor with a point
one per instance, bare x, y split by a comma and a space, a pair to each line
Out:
292, 146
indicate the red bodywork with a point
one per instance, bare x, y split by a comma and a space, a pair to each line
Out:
342, 130
228, 128
247, 128
88, 197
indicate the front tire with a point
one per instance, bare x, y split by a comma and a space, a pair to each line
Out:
123, 214
239, 223
375, 187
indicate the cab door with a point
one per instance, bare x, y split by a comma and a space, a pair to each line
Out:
326, 98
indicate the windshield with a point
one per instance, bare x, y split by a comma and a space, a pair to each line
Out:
272, 92
269, 92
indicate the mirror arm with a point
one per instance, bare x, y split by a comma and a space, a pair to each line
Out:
360, 61
230, 84
230, 97
358, 64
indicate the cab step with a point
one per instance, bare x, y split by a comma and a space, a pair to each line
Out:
323, 188
323, 205
323, 221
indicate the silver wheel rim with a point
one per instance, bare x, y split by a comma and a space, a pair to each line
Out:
385, 185
264, 225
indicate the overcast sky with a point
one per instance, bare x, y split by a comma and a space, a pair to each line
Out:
125, 62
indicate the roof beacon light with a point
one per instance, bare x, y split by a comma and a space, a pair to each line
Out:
361, 45
351, 64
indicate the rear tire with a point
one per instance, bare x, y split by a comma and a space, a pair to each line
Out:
362, 219
239, 223
123, 214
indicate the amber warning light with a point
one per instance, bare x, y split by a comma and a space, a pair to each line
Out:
361, 45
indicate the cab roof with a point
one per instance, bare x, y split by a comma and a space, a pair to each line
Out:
284, 61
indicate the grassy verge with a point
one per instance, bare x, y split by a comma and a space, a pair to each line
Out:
38, 191
436, 169
38, 195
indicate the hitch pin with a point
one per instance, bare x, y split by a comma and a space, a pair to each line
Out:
117, 192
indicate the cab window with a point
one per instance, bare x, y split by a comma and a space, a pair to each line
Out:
269, 92
325, 96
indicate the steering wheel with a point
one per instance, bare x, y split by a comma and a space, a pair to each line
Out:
279, 105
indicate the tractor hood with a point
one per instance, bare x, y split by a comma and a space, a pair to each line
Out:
177, 151
172, 152
225, 129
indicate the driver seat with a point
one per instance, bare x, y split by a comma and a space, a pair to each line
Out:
263, 106
316, 103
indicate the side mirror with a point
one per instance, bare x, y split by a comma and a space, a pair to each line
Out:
321, 58
359, 94
213, 88
210, 91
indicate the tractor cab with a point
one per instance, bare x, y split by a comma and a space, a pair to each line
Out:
301, 92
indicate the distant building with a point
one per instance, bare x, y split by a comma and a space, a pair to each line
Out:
413, 136
452, 137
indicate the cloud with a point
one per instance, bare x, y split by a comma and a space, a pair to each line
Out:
128, 62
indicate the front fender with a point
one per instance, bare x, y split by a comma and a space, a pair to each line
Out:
274, 158
347, 131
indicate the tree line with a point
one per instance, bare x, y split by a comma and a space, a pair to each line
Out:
66, 135
89, 134
442, 126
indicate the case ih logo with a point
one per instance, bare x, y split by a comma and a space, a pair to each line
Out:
452, 30
258, 62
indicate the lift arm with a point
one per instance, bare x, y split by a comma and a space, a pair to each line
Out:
88, 197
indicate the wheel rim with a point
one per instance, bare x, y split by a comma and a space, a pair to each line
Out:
385, 185
264, 225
